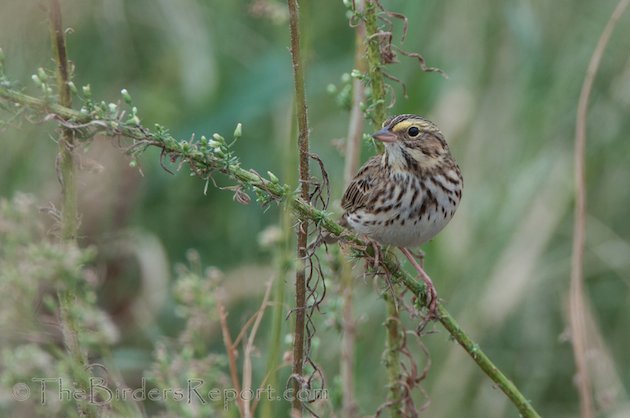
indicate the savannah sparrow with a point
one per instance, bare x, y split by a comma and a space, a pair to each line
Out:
405, 196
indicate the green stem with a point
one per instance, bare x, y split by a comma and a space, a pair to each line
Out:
393, 340
299, 336
375, 72
69, 211
78, 358
283, 259
483, 361
69, 223
346, 360
351, 165
577, 293
300, 207
43, 106
391, 355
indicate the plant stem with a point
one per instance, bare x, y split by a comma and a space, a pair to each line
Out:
357, 118
248, 351
301, 208
391, 356
302, 228
283, 260
375, 72
69, 210
351, 165
507, 387
577, 320
230, 349
347, 355
43, 106
78, 359
393, 340
417, 288
352, 156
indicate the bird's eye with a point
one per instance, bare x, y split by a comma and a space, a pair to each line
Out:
413, 131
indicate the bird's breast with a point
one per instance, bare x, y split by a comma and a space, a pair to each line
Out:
409, 211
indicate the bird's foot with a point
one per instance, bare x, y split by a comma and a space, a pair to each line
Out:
378, 251
432, 298
431, 293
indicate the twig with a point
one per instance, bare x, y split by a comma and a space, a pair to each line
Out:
243, 332
66, 156
391, 356
249, 349
66, 174
576, 292
230, 349
302, 228
284, 261
357, 118
300, 207
347, 355
511, 391
266, 381
351, 165
79, 366
375, 63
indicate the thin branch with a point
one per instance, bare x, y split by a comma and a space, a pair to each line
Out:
351, 165
375, 64
576, 292
79, 366
302, 228
243, 332
230, 349
69, 211
145, 138
391, 356
507, 387
266, 383
348, 329
283, 260
357, 117
249, 349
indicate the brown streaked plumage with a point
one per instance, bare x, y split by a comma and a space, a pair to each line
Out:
408, 194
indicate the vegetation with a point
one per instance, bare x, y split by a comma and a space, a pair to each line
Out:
96, 322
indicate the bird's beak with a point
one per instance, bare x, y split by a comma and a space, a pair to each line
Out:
384, 135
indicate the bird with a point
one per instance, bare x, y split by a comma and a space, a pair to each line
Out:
405, 196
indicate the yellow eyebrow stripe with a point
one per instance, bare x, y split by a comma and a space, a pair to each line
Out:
405, 124
402, 126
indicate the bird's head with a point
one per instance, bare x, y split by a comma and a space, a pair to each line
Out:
412, 142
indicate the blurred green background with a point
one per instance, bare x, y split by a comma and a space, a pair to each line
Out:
508, 110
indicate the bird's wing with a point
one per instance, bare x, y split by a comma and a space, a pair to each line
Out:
359, 189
